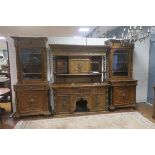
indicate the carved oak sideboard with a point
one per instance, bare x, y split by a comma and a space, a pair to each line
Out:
79, 73
67, 97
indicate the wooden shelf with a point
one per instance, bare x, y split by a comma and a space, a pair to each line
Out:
76, 85
32, 73
84, 74
120, 71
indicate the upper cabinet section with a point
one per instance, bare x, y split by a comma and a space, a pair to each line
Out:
77, 63
78, 50
120, 60
31, 59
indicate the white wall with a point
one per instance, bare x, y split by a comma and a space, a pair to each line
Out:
76, 41
3, 46
13, 68
66, 40
141, 68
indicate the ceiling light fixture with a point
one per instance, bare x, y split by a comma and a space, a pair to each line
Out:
137, 33
84, 29
2, 38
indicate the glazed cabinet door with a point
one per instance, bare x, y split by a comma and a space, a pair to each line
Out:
31, 64
120, 64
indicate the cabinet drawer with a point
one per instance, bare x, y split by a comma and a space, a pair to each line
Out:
99, 90
123, 83
67, 91
85, 91
31, 87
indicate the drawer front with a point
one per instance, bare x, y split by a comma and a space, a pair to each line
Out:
35, 87
72, 91
99, 90
85, 91
31, 87
67, 91
123, 95
32, 101
123, 83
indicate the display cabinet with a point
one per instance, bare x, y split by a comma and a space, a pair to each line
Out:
123, 86
79, 78
32, 87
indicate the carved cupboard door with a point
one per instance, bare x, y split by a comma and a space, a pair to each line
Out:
99, 102
123, 95
32, 101
62, 104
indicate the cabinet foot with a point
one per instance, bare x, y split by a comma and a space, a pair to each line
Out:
111, 108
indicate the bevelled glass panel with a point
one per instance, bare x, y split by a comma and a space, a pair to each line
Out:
31, 64
120, 63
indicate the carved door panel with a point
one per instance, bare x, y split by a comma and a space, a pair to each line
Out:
32, 101
123, 95
99, 102
63, 104
77, 66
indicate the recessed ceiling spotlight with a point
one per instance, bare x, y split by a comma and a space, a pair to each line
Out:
84, 29
2, 38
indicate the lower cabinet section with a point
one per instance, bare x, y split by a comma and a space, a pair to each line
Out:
123, 94
70, 100
31, 100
